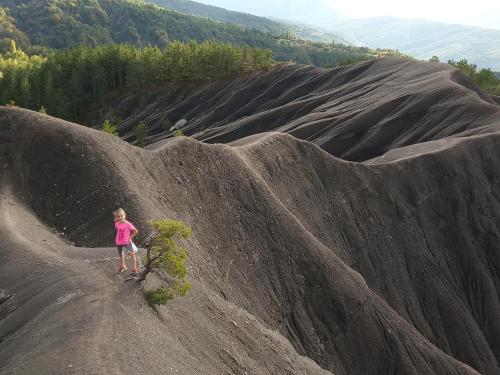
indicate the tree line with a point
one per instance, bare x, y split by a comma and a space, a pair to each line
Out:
65, 83
486, 79
39, 25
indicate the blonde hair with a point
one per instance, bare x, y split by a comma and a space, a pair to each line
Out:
120, 211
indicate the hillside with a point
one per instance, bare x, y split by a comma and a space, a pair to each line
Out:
40, 24
423, 39
355, 112
309, 31
317, 12
330, 267
61, 24
416, 37
246, 20
223, 15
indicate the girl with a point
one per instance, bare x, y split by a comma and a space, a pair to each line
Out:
125, 231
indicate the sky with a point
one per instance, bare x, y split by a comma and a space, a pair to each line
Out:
483, 13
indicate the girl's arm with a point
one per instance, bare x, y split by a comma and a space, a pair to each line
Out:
133, 233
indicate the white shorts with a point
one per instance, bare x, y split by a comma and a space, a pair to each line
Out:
131, 248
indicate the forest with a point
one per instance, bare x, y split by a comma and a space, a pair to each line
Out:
485, 78
66, 82
39, 25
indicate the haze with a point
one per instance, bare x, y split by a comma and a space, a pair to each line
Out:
484, 13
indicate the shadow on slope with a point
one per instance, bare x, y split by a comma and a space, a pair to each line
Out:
354, 112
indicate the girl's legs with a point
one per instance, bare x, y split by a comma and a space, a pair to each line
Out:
122, 261
134, 262
121, 253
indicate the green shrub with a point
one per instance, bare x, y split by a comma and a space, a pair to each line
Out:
141, 131
160, 296
182, 287
485, 78
179, 133
165, 254
108, 127
163, 294
467, 68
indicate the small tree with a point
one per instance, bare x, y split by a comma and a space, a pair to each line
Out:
166, 257
467, 68
140, 132
110, 128
434, 58
486, 79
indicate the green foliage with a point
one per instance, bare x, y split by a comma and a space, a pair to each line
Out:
163, 294
382, 52
485, 78
141, 131
166, 255
42, 110
160, 296
182, 288
68, 82
496, 91
179, 133
222, 15
109, 127
62, 24
9, 33
289, 30
467, 68
319, 54
434, 58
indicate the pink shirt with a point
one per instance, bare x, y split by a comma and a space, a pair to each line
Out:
123, 232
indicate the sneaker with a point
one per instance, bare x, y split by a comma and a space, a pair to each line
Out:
122, 269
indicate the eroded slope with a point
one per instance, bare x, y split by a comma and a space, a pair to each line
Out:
354, 112
325, 265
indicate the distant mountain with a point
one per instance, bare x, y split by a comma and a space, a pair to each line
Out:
223, 15
316, 12
277, 27
419, 38
313, 32
423, 39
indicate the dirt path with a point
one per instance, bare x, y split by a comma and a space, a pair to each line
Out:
90, 303
97, 322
